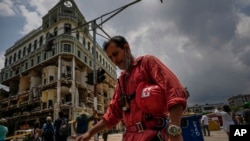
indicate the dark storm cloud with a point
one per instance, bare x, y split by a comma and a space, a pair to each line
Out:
197, 39
209, 23
204, 42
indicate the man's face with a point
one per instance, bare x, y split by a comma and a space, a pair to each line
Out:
116, 55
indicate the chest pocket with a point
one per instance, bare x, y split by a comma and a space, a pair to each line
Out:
141, 75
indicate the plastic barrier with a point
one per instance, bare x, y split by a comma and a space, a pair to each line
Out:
214, 125
191, 128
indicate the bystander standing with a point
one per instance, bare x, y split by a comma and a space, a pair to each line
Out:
3, 129
246, 113
204, 124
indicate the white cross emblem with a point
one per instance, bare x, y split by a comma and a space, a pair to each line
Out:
145, 92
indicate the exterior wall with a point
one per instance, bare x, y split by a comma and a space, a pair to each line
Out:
239, 100
208, 108
45, 82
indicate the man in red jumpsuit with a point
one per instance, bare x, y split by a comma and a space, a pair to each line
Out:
141, 125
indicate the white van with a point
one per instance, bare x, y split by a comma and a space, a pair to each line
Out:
20, 134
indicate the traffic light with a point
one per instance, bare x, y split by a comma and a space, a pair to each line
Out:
100, 75
90, 79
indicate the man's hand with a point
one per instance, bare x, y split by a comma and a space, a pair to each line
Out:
84, 137
175, 115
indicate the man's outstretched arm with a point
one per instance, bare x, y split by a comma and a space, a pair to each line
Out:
92, 131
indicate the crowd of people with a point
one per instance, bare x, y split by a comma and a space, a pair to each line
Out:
228, 118
59, 130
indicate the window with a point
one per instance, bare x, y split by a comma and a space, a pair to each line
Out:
32, 62
41, 41
29, 48
79, 53
45, 56
6, 62
89, 46
10, 59
53, 51
19, 54
90, 63
67, 28
38, 59
77, 35
85, 59
24, 51
68, 97
35, 44
49, 35
83, 41
55, 20
14, 57
55, 31
67, 48
26, 65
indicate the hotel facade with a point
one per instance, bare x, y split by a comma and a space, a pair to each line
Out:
46, 71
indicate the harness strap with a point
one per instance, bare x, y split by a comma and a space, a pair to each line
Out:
155, 124
132, 96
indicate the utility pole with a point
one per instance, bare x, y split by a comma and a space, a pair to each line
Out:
95, 73
94, 26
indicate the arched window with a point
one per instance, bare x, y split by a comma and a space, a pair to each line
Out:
67, 28
55, 31
35, 44
41, 41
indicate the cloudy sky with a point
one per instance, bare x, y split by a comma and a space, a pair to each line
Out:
206, 43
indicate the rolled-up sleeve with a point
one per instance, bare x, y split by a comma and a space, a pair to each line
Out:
114, 113
166, 79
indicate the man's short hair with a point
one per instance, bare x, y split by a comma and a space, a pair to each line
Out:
120, 41
61, 114
48, 118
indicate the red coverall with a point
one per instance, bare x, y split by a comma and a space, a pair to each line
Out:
144, 69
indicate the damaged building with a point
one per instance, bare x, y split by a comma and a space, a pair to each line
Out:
46, 71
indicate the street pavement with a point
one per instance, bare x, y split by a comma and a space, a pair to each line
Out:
214, 136
217, 136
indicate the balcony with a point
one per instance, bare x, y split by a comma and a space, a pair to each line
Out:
90, 100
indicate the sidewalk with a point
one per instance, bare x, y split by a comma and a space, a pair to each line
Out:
214, 136
220, 135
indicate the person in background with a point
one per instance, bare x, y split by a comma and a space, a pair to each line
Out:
3, 129
240, 119
105, 134
246, 113
57, 125
204, 124
80, 125
226, 118
37, 132
145, 93
235, 119
48, 130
